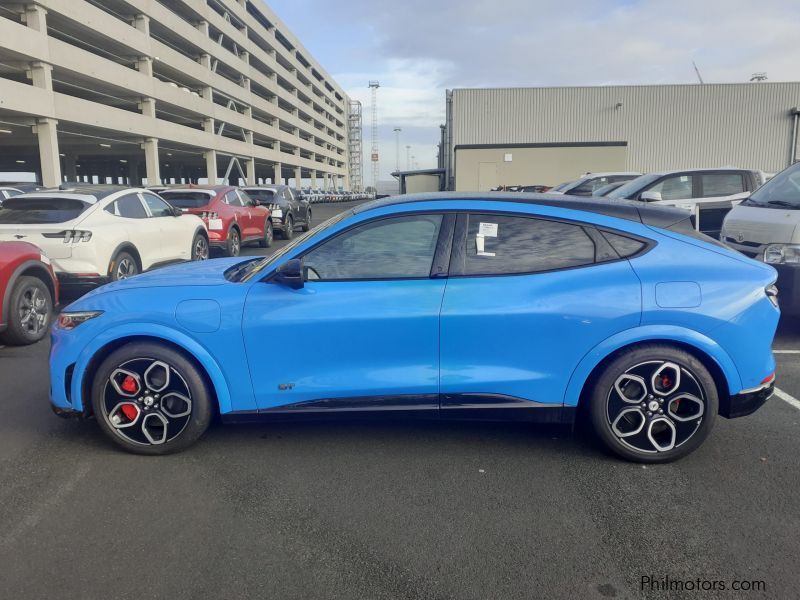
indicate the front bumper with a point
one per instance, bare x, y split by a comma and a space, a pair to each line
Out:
746, 403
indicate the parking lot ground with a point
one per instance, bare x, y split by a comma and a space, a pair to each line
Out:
389, 509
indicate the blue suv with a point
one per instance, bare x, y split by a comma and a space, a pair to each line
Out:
455, 306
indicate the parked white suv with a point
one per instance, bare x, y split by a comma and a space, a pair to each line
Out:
96, 234
766, 226
707, 193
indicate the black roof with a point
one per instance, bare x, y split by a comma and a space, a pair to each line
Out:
631, 210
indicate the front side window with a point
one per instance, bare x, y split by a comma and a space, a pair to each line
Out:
395, 248
506, 245
721, 184
676, 187
158, 208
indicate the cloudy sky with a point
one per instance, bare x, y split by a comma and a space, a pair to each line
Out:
419, 48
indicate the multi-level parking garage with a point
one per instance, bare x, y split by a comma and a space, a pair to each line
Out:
161, 91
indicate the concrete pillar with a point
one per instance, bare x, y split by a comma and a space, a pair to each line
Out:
144, 64
248, 112
148, 107
41, 75
133, 173
245, 56
205, 60
70, 170
277, 176
153, 168
208, 125
251, 171
142, 23
203, 27
211, 166
298, 177
35, 17
47, 132
207, 93
245, 83
314, 179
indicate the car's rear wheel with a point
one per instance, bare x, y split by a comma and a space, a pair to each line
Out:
234, 246
269, 235
31, 310
307, 225
123, 266
200, 250
288, 228
654, 403
151, 399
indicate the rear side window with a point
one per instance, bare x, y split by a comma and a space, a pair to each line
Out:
128, 206
505, 245
35, 211
262, 195
232, 198
623, 245
721, 184
157, 206
187, 199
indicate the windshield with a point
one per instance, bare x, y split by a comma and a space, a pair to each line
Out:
187, 199
633, 187
782, 191
562, 186
40, 211
257, 267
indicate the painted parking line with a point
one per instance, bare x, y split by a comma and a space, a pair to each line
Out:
788, 398
786, 351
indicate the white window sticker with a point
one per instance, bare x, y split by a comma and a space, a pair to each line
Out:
684, 178
215, 224
487, 230
480, 245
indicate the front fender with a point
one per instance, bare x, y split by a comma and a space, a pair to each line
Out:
650, 333
151, 330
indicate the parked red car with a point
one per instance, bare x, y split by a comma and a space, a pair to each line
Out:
232, 217
29, 292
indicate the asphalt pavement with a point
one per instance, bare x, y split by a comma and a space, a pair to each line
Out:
391, 510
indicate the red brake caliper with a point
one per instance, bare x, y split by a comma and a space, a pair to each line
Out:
130, 412
129, 385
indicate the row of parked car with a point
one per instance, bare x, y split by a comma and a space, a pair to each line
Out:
316, 195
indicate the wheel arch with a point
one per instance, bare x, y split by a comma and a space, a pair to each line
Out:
131, 249
28, 268
714, 358
94, 354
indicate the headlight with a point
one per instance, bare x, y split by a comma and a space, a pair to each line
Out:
70, 320
780, 254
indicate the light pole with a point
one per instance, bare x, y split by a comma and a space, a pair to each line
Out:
408, 158
397, 131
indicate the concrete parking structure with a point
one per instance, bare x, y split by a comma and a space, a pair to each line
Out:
133, 90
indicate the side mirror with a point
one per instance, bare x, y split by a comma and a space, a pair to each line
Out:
650, 197
177, 212
290, 274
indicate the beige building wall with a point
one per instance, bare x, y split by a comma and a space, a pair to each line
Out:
418, 184
482, 169
163, 90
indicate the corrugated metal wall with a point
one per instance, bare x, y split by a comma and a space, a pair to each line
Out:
666, 127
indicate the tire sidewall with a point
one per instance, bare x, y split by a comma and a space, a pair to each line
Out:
233, 232
117, 260
269, 234
195, 239
288, 228
15, 334
202, 410
603, 384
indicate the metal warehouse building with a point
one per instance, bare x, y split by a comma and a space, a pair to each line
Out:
534, 136
167, 90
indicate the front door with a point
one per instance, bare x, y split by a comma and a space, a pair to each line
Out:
363, 332
527, 298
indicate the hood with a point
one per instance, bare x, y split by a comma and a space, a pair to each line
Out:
761, 225
198, 273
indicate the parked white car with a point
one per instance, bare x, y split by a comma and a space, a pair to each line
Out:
707, 193
766, 226
97, 234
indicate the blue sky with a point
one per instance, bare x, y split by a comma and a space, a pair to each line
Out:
418, 48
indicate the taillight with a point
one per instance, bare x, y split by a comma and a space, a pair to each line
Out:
209, 215
70, 236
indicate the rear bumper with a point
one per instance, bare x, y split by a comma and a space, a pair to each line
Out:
747, 402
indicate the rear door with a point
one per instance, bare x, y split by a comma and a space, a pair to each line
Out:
526, 299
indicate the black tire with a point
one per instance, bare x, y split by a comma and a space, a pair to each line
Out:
123, 266
148, 425
269, 235
307, 225
234, 245
640, 424
30, 312
200, 249
288, 228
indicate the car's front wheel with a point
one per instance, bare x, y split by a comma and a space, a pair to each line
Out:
151, 399
654, 403
31, 310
